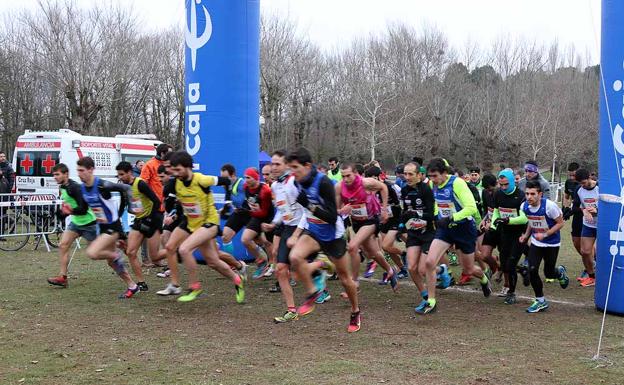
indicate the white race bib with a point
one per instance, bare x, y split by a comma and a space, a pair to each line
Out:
285, 210
359, 212
192, 210
538, 223
100, 216
137, 206
507, 213
415, 224
446, 208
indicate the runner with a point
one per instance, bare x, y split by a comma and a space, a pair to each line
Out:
255, 210
200, 229
417, 220
475, 177
82, 221
98, 195
334, 170
510, 222
148, 220
355, 197
399, 172
455, 224
544, 222
324, 233
270, 235
390, 230
488, 232
571, 208
531, 173
587, 195
234, 194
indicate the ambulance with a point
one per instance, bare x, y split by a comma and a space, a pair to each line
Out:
37, 152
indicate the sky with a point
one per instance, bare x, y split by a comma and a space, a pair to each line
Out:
335, 23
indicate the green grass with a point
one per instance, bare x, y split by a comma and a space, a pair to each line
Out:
85, 335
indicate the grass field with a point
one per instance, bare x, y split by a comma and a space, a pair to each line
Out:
84, 335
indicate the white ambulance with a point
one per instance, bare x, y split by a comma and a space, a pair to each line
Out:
36, 152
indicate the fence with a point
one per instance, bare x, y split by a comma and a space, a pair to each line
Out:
23, 216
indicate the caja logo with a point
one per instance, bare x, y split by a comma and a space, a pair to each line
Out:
193, 41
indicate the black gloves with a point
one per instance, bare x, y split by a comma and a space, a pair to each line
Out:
567, 213
302, 199
443, 222
501, 221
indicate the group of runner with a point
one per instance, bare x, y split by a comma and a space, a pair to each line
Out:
295, 225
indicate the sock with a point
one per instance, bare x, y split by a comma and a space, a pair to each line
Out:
228, 247
133, 287
292, 309
540, 299
195, 286
484, 279
432, 302
425, 294
237, 280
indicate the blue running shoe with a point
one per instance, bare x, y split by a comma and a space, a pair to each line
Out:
564, 280
324, 297
445, 277
427, 307
320, 281
402, 274
384, 279
370, 269
537, 306
260, 270
421, 306
394, 282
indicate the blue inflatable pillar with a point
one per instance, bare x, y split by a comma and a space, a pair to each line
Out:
222, 69
611, 162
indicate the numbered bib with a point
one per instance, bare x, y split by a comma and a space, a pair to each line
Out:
192, 210
137, 206
285, 209
389, 210
100, 216
507, 213
538, 223
312, 219
415, 224
446, 208
591, 203
359, 212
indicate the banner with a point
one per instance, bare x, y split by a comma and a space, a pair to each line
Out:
610, 243
222, 88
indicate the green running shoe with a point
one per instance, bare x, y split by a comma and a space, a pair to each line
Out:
240, 292
191, 295
537, 306
287, 317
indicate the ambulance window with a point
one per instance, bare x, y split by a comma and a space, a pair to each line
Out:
36, 163
133, 158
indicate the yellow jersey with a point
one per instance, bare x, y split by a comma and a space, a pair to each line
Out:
197, 201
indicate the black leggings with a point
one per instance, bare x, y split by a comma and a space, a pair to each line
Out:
510, 249
549, 255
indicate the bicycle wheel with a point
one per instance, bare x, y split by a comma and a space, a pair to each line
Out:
54, 238
10, 227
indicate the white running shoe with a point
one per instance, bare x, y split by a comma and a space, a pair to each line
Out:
170, 290
504, 291
269, 271
243, 271
164, 274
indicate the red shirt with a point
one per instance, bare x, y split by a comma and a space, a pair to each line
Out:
261, 195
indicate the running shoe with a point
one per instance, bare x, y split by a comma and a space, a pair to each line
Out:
588, 282
60, 280
243, 271
564, 280
402, 274
293, 283
287, 317
394, 282
320, 281
498, 276
260, 269
549, 280
503, 293
269, 272
464, 279
384, 279
370, 269
524, 272
275, 288
333, 277
324, 297
191, 295
240, 292
453, 261
142, 286
328, 265
307, 306
582, 276
164, 274
426, 308
171, 289
129, 293
537, 306
444, 277
488, 273
510, 299
354, 322
487, 289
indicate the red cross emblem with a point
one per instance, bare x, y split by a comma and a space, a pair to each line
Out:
26, 164
48, 163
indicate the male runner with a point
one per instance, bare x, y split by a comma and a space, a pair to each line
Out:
82, 221
545, 219
334, 170
571, 209
98, 194
587, 195
148, 219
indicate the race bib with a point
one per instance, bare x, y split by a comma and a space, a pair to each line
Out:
285, 209
415, 224
446, 209
489, 214
359, 212
312, 219
137, 206
389, 210
538, 223
100, 216
507, 213
591, 203
192, 210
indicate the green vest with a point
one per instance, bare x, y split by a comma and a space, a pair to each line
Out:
78, 220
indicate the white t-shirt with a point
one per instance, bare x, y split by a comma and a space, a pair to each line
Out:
553, 212
589, 198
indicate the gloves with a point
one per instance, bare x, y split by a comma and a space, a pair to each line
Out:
567, 213
501, 221
302, 199
444, 222
402, 228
